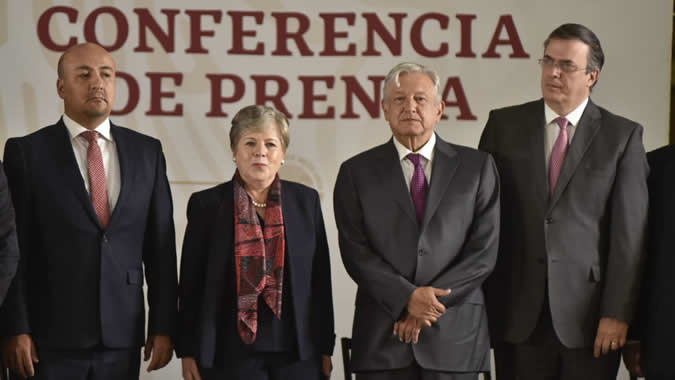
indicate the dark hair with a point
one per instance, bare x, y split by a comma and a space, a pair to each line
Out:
596, 58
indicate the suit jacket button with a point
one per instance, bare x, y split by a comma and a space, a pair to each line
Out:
422, 252
549, 220
105, 238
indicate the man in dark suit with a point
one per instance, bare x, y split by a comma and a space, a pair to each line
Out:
9, 250
653, 354
574, 213
94, 211
418, 222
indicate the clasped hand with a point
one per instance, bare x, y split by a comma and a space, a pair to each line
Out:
422, 310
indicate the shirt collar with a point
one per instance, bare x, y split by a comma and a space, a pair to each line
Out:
573, 117
75, 129
427, 151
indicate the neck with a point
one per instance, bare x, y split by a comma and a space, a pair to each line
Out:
564, 109
88, 122
414, 143
258, 193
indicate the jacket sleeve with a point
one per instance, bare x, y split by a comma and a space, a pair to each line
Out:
479, 252
365, 266
192, 274
14, 316
159, 254
9, 249
627, 231
321, 285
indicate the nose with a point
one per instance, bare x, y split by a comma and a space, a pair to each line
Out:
409, 104
260, 151
96, 81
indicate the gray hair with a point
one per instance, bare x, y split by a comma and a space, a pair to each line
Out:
411, 67
253, 118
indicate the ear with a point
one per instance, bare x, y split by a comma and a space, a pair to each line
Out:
592, 78
385, 109
440, 109
59, 87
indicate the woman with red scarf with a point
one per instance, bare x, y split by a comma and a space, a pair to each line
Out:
255, 297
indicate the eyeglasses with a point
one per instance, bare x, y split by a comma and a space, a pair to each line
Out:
567, 67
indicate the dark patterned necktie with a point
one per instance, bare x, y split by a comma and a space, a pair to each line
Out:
418, 185
97, 183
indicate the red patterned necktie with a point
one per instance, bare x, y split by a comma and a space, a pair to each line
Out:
418, 185
97, 183
557, 154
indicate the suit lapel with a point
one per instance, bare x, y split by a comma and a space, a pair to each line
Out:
586, 130
391, 177
123, 147
64, 158
443, 170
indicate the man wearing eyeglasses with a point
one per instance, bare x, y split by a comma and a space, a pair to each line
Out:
574, 213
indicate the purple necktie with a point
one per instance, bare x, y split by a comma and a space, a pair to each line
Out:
418, 185
557, 154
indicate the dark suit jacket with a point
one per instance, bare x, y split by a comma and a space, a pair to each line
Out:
9, 249
656, 328
389, 255
79, 284
585, 243
205, 288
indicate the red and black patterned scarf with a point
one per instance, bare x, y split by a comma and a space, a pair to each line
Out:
259, 256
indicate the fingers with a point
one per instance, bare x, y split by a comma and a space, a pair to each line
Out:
147, 350
160, 358
441, 292
27, 364
327, 366
597, 347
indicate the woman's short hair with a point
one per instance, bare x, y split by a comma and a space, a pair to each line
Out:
253, 118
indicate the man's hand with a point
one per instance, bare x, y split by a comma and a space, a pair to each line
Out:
611, 336
160, 348
19, 354
408, 329
424, 305
632, 358
190, 370
326, 366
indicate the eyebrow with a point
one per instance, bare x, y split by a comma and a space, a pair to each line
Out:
85, 67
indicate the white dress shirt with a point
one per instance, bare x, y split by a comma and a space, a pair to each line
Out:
553, 130
111, 163
427, 152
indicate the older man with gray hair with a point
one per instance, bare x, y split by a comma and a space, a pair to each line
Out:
418, 222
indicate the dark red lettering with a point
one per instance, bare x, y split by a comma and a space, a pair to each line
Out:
465, 36
353, 88
45, 36
392, 41
133, 94
121, 26
217, 97
283, 35
513, 39
330, 35
156, 94
416, 35
196, 31
147, 22
238, 33
262, 97
454, 83
309, 97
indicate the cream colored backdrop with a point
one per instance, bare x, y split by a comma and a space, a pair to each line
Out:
636, 37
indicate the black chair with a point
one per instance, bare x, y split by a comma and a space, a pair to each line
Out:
346, 359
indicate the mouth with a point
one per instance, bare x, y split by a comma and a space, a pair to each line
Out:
97, 99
